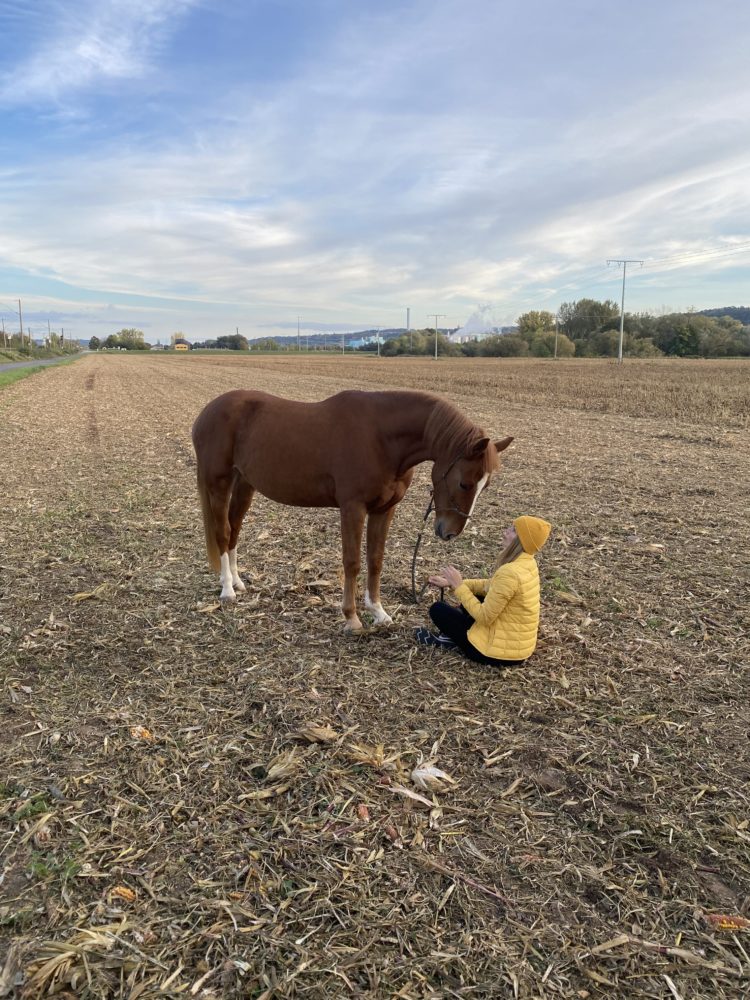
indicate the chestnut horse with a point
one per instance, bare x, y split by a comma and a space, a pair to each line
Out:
355, 451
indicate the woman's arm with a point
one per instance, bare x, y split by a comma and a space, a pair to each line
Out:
502, 587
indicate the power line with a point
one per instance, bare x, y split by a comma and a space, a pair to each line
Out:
584, 278
673, 264
688, 255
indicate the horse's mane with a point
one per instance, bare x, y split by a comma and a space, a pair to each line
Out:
449, 433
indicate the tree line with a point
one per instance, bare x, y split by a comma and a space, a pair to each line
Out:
593, 328
124, 340
589, 328
585, 328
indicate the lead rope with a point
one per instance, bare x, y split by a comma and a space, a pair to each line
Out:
417, 597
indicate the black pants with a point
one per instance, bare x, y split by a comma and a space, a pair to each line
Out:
455, 623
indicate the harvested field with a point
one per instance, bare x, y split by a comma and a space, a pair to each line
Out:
198, 802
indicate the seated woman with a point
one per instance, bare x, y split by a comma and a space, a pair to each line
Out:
498, 620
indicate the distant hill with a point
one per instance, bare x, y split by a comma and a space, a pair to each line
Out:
742, 313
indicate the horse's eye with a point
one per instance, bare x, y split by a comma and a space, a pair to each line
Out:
466, 486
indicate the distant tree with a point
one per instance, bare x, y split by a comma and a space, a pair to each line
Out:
605, 343
417, 342
446, 347
641, 347
94, 344
677, 335
470, 349
730, 324
131, 339
128, 340
530, 324
580, 319
503, 345
233, 342
543, 346
740, 313
266, 344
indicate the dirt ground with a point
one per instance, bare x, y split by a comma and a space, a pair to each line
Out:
206, 802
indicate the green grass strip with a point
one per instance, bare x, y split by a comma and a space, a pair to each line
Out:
14, 374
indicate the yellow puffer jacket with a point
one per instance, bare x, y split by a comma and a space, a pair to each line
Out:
507, 621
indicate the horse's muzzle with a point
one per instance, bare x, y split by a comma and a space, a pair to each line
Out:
442, 531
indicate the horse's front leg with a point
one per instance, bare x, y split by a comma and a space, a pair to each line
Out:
377, 533
352, 523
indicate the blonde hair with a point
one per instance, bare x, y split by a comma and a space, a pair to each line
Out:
509, 553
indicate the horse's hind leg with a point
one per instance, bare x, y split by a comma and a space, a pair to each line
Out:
219, 494
377, 532
242, 497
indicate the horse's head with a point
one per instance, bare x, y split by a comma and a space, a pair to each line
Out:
458, 482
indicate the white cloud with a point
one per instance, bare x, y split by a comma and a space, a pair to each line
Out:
90, 43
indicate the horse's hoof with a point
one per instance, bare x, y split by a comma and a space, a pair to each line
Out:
353, 625
239, 586
228, 599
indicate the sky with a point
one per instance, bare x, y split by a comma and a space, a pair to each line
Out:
205, 166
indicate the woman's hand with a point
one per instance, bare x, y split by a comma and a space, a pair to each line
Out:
447, 576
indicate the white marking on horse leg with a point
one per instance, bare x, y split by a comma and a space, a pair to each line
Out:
480, 486
236, 582
225, 577
376, 610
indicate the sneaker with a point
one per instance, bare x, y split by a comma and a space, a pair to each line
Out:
424, 637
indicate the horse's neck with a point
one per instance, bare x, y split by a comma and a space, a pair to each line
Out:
403, 433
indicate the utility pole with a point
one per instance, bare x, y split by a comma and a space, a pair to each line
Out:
20, 323
622, 307
555, 337
437, 317
298, 344
377, 337
343, 343
408, 327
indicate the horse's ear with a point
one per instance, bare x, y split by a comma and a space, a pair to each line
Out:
502, 445
478, 448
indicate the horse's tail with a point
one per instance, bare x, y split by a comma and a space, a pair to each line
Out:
209, 525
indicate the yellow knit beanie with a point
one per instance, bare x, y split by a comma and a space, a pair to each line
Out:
532, 532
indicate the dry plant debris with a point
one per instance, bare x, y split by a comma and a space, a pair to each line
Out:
246, 802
